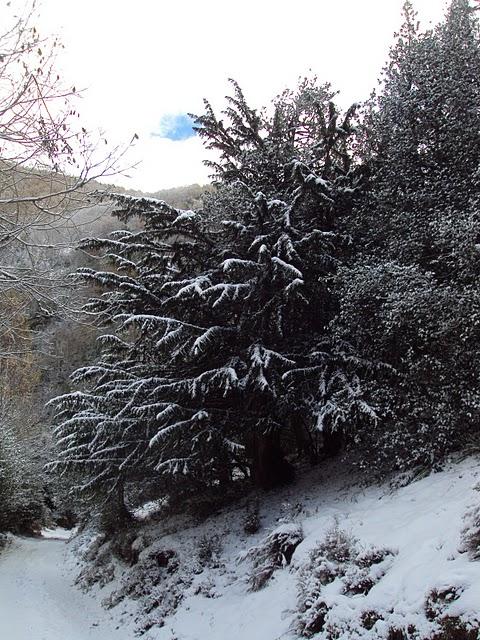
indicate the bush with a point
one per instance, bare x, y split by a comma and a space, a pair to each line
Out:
419, 341
274, 552
99, 570
471, 534
338, 556
453, 628
158, 582
123, 546
209, 550
438, 601
4, 541
251, 521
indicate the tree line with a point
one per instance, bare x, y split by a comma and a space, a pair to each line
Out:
323, 299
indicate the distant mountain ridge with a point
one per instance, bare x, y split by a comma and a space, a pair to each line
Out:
184, 197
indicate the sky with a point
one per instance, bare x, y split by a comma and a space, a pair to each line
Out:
144, 65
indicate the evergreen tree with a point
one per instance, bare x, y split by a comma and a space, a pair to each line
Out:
410, 298
212, 309
420, 142
21, 491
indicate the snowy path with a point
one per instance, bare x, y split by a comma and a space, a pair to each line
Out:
39, 602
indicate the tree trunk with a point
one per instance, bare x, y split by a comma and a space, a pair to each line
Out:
269, 467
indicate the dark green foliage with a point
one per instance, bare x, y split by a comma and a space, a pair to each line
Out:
210, 313
420, 144
409, 298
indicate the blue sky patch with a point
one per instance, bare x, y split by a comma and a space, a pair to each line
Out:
175, 127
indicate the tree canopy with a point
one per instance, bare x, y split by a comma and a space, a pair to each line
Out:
323, 298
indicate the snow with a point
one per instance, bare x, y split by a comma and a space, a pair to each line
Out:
420, 525
251, 616
57, 533
149, 509
39, 602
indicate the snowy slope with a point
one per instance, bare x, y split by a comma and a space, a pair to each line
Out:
190, 583
421, 523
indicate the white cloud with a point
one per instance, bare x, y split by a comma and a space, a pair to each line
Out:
142, 60
164, 163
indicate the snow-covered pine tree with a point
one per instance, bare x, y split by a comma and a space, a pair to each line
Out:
210, 309
7, 478
21, 490
294, 184
411, 298
108, 429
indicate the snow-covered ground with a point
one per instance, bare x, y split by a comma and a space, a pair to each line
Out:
421, 523
39, 602
190, 582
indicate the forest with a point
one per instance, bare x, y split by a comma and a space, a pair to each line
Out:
323, 300
318, 303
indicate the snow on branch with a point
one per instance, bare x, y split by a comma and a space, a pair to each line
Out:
287, 269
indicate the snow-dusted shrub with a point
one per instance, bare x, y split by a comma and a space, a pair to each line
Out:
370, 618
99, 568
448, 628
338, 558
4, 541
142, 581
398, 316
396, 634
158, 582
88, 545
251, 521
209, 549
126, 547
96, 556
274, 552
453, 628
438, 601
207, 588
99, 574
471, 534
290, 512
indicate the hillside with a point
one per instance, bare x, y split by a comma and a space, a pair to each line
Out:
389, 561
257, 410
38, 196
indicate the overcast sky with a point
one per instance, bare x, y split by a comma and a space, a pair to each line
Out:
146, 63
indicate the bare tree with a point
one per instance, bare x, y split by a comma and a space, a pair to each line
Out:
47, 164
47, 161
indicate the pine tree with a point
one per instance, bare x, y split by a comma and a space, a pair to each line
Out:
212, 309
